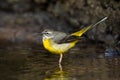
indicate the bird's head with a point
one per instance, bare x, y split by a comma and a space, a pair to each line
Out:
47, 34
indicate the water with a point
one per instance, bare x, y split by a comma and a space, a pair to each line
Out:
34, 64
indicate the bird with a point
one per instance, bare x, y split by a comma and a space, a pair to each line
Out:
59, 42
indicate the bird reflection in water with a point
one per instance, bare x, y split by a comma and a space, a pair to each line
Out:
57, 75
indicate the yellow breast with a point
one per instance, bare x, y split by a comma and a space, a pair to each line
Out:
57, 48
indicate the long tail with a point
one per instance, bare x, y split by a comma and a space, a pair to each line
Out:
85, 29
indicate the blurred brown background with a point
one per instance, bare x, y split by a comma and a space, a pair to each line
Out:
20, 20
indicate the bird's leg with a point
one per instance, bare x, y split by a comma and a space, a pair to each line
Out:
60, 60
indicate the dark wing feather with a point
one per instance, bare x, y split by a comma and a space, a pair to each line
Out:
69, 38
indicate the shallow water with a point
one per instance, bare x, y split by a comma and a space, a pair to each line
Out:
31, 64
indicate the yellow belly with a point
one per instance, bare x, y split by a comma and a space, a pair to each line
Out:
57, 48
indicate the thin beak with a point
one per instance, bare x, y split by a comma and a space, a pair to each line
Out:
38, 33
43, 33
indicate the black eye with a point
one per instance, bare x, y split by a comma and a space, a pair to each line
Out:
47, 33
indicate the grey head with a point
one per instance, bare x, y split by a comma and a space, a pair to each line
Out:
54, 35
47, 33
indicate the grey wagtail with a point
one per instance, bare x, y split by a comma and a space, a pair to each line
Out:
52, 40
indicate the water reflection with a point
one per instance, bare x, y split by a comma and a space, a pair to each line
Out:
37, 65
57, 75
